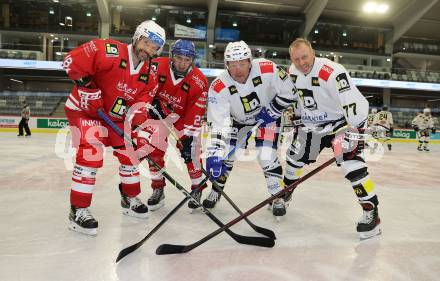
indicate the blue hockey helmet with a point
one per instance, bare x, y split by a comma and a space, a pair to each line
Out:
183, 48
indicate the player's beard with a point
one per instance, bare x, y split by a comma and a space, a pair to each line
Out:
141, 54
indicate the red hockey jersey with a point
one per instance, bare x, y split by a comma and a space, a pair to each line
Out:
109, 65
185, 96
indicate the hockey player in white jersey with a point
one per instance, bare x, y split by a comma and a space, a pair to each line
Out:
371, 117
383, 126
249, 89
423, 123
331, 107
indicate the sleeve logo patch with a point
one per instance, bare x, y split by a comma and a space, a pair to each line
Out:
257, 81
325, 72
143, 78
293, 77
162, 79
185, 87
266, 67
111, 50
233, 90
342, 83
218, 86
315, 81
123, 64
282, 73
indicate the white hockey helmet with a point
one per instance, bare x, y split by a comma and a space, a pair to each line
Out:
426, 110
374, 110
152, 31
236, 51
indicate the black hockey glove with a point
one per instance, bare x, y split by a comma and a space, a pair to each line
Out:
416, 128
433, 130
185, 148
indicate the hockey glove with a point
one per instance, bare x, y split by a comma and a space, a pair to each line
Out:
266, 116
433, 130
90, 101
214, 165
185, 147
416, 128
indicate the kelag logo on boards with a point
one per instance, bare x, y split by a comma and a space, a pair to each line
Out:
52, 123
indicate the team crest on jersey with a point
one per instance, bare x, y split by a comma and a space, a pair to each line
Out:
111, 50
233, 90
250, 102
154, 66
257, 81
119, 107
307, 99
185, 87
123, 64
162, 79
143, 78
315, 81
266, 67
293, 77
282, 73
342, 83
218, 85
325, 72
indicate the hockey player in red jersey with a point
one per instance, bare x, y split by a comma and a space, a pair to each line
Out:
182, 96
113, 76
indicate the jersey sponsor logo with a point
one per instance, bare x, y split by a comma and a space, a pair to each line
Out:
143, 78
266, 67
233, 90
162, 79
123, 87
315, 81
257, 81
293, 77
90, 123
218, 85
111, 50
67, 62
250, 102
119, 107
342, 83
325, 72
198, 81
282, 73
123, 64
185, 87
307, 98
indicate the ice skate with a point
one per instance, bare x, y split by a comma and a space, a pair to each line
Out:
81, 220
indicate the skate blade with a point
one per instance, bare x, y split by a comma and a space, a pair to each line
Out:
370, 234
87, 231
133, 214
196, 210
156, 207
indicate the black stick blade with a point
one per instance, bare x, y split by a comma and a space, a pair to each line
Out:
266, 232
168, 249
254, 241
127, 251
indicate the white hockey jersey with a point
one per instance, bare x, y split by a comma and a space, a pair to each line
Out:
242, 102
328, 94
384, 119
423, 122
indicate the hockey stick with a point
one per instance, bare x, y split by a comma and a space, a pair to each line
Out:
249, 240
128, 250
166, 249
264, 231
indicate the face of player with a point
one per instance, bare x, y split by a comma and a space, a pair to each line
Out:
303, 57
145, 49
181, 63
239, 70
